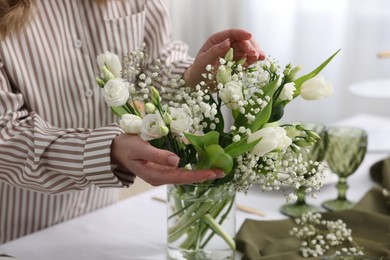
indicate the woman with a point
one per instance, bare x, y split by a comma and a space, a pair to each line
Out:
61, 152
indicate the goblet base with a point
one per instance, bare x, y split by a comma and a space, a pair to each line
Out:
296, 210
337, 204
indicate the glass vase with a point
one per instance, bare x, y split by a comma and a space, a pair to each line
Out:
201, 222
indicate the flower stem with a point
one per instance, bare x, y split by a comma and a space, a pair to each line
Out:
219, 230
187, 219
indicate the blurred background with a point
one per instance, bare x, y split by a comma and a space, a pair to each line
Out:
304, 32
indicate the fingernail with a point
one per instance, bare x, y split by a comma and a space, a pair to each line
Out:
219, 173
173, 160
262, 55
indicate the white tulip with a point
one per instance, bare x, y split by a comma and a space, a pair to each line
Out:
316, 88
231, 94
116, 92
153, 127
287, 91
131, 124
181, 122
272, 138
112, 61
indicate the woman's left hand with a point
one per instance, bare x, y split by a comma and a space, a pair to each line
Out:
217, 45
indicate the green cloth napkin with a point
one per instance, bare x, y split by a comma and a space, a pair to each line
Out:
369, 221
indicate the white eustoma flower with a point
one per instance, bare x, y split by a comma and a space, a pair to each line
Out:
153, 127
231, 94
316, 88
181, 121
287, 91
116, 92
112, 61
272, 138
131, 124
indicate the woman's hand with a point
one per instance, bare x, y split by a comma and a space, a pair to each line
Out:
155, 166
217, 45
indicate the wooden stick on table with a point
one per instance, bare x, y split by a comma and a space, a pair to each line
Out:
383, 54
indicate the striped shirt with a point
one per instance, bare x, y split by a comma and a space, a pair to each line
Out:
55, 130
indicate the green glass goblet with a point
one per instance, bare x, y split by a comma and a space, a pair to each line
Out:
314, 153
346, 148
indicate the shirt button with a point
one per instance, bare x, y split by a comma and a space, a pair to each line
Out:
78, 44
89, 93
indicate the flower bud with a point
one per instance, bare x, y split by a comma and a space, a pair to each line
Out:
242, 61
107, 74
313, 135
286, 72
155, 96
295, 148
302, 143
229, 55
100, 82
310, 140
273, 68
224, 74
293, 72
164, 130
167, 118
291, 131
150, 108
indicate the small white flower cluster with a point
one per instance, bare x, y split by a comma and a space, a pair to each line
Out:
301, 174
318, 236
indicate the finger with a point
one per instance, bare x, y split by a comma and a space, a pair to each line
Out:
158, 156
262, 54
247, 47
233, 34
213, 53
159, 174
219, 37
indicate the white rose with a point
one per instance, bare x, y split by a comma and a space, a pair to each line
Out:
181, 122
231, 94
271, 138
287, 91
153, 127
112, 61
131, 124
116, 92
316, 88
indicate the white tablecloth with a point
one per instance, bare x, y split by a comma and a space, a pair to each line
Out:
135, 228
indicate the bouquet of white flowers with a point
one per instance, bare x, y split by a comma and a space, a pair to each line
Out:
192, 122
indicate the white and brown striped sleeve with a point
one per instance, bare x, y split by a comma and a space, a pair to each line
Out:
40, 157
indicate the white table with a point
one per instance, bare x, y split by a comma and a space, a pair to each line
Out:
135, 228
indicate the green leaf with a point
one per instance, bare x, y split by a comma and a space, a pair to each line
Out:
237, 148
202, 141
298, 82
277, 113
218, 158
119, 111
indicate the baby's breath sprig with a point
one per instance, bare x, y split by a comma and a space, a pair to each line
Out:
318, 236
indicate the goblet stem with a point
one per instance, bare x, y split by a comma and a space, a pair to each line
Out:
301, 196
342, 187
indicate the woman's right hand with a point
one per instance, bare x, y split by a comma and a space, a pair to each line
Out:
153, 165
